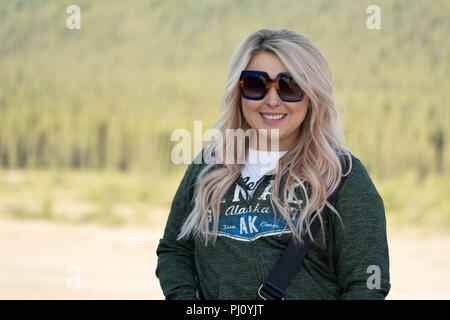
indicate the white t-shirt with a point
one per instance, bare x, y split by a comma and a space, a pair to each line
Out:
258, 164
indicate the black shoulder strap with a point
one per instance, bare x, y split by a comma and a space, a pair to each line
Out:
274, 288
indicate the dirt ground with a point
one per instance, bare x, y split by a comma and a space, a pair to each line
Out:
48, 260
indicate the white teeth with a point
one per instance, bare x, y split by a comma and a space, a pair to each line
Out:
273, 117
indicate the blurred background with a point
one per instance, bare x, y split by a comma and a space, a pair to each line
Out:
86, 117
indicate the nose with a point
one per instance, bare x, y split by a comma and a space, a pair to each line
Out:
272, 98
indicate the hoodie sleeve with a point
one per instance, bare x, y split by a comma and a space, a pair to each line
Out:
361, 254
175, 266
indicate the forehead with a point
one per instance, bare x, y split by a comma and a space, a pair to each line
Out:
268, 62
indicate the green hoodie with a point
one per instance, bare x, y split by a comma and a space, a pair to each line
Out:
353, 265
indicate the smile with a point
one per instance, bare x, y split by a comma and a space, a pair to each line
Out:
278, 116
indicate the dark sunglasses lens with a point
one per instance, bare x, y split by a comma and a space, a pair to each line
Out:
254, 86
289, 89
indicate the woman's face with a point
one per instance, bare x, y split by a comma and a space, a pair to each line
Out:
255, 110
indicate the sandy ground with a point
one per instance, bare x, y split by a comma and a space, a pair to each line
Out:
47, 260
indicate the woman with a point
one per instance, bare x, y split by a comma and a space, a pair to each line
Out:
230, 221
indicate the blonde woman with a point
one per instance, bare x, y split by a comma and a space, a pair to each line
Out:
232, 218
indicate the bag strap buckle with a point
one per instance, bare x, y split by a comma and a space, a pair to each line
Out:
268, 291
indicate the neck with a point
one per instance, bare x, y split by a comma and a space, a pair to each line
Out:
269, 148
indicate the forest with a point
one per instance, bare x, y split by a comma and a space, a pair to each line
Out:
86, 115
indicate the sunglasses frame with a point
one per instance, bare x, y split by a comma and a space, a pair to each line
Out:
269, 83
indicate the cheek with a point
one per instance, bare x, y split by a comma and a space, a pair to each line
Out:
299, 113
250, 105
249, 109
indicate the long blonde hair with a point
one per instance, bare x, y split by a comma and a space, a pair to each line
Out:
312, 164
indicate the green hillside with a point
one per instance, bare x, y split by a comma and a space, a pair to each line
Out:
108, 96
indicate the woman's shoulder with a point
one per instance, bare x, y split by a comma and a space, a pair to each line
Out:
356, 177
200, 162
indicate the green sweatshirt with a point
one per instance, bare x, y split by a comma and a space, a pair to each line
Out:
353, 265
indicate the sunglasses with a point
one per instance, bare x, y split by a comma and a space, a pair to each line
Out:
255, 84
